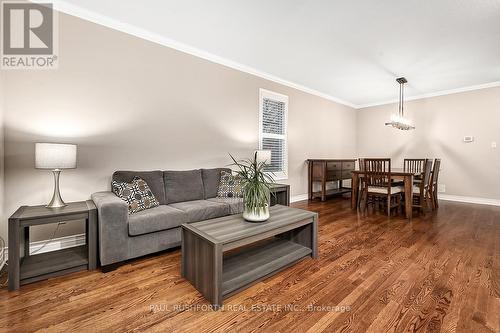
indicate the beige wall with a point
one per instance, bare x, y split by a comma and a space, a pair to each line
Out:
133, 104
3, 226
467, 169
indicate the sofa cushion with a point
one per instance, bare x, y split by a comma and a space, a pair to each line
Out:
235, 204
211, 179
153, 178
155, 219
136, 194
230, 186
183, 186
199, 210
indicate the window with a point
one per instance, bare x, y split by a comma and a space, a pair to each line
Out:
273, 114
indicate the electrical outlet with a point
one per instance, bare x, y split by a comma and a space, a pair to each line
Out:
441, 188
493, 145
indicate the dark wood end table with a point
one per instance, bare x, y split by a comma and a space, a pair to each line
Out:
280, 194
30, 268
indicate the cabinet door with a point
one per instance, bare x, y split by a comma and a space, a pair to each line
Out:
317, 170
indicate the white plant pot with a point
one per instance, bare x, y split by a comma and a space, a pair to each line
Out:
258, 214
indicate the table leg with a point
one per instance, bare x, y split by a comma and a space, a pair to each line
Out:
14, 255
314, 237
354, 190
408, 181
92, 238
202, 266
217, 298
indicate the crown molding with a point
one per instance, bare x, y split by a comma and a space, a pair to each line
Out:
77, 11
435, 94
74, 10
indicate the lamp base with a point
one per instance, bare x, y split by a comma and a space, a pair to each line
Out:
56, 201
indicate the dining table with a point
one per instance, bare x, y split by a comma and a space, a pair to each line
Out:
396, 174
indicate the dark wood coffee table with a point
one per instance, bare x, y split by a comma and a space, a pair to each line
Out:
225, 255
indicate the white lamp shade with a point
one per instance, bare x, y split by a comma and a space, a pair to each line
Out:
263, 156
55, 156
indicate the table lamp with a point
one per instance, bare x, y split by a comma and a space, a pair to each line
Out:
263, 156
55, 157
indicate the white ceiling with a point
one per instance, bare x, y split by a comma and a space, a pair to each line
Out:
347, 50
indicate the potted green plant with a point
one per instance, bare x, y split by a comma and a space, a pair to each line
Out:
256, 188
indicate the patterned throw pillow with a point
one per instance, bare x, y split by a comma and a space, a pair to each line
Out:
136, 194
230, 186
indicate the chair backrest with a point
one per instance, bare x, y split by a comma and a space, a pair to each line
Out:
378, 171
414, 164
361, 162
426, 176
377, 164
435, 171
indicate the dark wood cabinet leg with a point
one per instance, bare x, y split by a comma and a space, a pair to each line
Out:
310, 180
323, 183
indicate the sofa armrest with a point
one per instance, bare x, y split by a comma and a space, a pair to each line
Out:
113, 227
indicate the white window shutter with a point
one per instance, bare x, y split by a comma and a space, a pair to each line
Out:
273, 118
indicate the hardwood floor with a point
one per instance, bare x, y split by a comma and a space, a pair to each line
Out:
441, 272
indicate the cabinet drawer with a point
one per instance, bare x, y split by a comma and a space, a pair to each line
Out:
333, 166
347, 166
346, 174
333, 175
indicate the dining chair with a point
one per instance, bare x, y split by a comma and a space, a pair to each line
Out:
421, 192
361, 163
377, 164
377, 184
415, 165
433, 188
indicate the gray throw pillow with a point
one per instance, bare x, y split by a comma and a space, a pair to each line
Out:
136, 194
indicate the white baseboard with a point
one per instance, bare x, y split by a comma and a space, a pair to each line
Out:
59, 243
474, 200
446, 197
299, 197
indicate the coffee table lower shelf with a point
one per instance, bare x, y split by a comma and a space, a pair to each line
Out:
244, 268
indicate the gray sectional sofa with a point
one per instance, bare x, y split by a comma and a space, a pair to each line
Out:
184, 197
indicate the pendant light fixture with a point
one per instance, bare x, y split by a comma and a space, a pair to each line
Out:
398, 120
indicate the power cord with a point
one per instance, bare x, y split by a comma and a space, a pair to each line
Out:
48, 240
3, 260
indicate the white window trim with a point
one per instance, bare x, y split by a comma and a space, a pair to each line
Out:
263, 93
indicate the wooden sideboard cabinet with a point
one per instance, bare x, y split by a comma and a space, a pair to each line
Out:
323, 171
